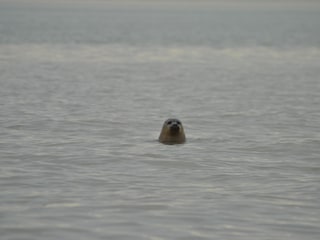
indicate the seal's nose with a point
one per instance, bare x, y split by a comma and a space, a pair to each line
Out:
175, 127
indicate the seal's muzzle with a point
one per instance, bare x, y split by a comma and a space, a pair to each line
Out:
174, 128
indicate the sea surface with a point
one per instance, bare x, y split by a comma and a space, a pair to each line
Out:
86, 87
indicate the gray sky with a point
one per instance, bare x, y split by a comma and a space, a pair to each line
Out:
232, 3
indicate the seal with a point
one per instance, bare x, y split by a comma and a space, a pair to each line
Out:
172, 132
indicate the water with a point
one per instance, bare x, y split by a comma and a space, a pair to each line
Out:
85, 89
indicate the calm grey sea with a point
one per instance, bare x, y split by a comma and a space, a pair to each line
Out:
85, 89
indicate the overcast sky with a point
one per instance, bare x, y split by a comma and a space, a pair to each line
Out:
178, 1
289, 3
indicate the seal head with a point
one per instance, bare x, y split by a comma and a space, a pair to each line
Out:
172, 132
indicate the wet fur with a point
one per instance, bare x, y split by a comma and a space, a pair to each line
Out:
171, 136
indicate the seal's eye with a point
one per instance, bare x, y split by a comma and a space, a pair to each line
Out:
178, 122
169, 123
